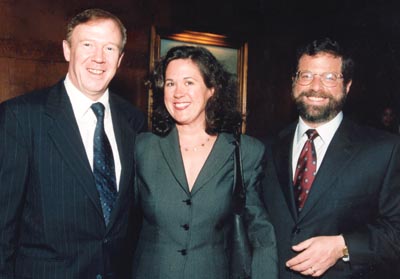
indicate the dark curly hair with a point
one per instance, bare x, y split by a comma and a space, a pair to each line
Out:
221, 110
327, 45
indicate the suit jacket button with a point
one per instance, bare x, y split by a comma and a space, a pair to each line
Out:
296, 230
185, 227
183, 252
188, 201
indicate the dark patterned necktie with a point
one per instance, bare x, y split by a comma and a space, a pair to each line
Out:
306, 170
103, 164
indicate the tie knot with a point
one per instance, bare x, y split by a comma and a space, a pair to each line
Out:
312, 134
98, 109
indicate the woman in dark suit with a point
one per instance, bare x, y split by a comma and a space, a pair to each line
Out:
185, 174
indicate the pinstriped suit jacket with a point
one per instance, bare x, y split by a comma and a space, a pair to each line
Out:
51, 223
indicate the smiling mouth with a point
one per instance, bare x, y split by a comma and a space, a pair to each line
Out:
95, 71
181, 105
316, 99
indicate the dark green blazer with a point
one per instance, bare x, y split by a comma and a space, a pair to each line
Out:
184, 234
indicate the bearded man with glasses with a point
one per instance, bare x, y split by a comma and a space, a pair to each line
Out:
332, 187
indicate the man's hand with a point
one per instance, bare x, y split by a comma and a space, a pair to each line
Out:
317, 255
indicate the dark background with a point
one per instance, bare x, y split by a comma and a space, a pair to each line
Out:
31, 34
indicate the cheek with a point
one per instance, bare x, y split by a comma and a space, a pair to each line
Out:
167, 95
168, 101
80, 57
338, 92
114, 60
296, 90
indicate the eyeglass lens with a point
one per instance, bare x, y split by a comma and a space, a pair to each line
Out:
328, 79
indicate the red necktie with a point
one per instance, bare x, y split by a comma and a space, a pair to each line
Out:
306, 169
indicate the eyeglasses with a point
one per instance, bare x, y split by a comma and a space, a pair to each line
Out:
327, 79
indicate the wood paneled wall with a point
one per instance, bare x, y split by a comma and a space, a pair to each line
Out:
31, 34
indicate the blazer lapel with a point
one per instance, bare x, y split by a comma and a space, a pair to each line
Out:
283, 163
335, 160
66, 136
169, 146
125, 138
220, 154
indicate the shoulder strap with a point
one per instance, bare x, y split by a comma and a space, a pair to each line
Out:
239, 192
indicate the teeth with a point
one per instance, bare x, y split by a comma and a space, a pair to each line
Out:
316, 98
97, 72
181, 105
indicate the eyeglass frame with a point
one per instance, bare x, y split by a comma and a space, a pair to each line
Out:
322, 80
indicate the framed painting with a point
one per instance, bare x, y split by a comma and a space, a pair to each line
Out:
230, 52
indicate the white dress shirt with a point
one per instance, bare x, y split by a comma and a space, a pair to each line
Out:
321, 143
87, 120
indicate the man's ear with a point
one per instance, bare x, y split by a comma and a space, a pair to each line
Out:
348, 85
67, 50
120, 58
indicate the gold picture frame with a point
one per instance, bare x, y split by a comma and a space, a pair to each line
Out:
230, 52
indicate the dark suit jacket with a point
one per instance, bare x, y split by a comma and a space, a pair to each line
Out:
184, 234
51, 223
356, 193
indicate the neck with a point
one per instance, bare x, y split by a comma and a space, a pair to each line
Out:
191, 130
194, 138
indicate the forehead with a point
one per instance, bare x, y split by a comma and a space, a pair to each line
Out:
321, 62
98, 29
184, 67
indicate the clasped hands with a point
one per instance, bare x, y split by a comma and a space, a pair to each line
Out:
317, 255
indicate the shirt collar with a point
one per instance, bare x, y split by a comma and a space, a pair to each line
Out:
80, 103
325, 131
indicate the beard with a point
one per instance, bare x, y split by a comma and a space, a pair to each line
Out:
319, 114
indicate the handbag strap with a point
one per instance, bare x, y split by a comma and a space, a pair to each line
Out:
239, 192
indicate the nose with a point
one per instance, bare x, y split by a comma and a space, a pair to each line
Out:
98, 55
316, 83
179, 91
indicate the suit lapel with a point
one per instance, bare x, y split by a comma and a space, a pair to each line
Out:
169, 146
220, 153
283, 164
66, 137
335, 160
125, 138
